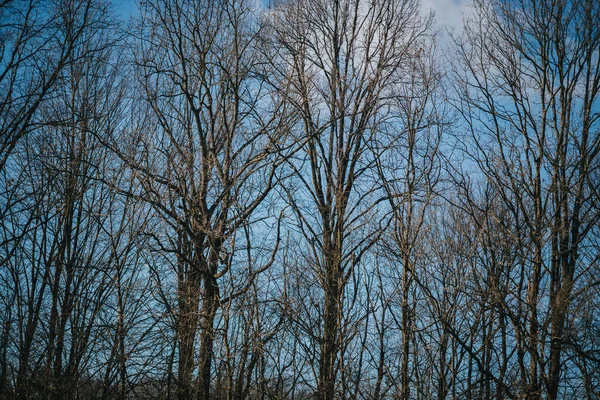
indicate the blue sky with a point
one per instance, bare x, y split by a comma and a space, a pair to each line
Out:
448, 13
126, 8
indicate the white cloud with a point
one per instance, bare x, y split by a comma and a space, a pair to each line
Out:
449, 14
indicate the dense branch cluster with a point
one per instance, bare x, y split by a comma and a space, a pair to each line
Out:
311, 199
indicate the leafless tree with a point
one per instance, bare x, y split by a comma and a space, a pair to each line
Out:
55, 259
205, 159
38, 40
232, 200
529, 93
334, 64
409, 165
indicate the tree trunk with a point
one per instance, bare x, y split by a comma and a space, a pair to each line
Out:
330, 343
210, 306
188, 322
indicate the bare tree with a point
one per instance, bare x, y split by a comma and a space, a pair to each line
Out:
53, 258
335, 62
57, 264
205, 159
237, 200
529, 94
37, 41
409, 165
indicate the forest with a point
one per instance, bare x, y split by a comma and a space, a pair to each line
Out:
299, 199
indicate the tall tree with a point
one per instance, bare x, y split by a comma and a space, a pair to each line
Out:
335, 62
409, 165
205, 159
529, 94
53, 258
38, 40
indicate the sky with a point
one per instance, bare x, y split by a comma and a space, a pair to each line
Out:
126, 8
449, 13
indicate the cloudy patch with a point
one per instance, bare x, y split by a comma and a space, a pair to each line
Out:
449, 14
